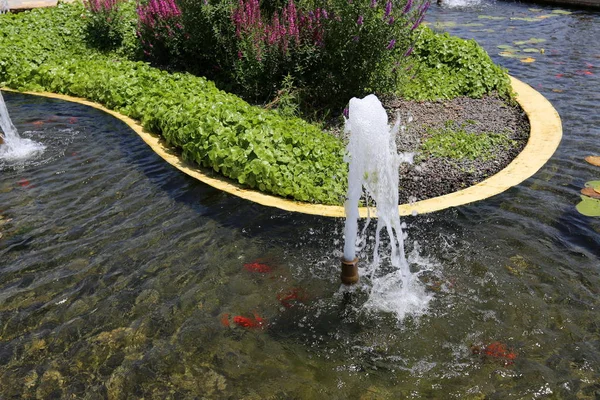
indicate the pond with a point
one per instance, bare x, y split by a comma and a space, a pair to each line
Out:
120, 276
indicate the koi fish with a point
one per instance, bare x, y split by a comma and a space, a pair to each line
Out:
38, 123
225, 319
245, 322
496, 350
258, 267
294, 294
24, 183
73, 120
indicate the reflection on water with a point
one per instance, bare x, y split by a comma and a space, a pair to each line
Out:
119, 275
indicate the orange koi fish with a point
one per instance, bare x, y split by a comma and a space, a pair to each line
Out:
258, 267
498, 351
292, 296
245, 322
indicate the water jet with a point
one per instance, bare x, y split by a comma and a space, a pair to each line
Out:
12, 146
373, 165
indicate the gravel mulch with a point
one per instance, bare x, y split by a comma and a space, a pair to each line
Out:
438, 176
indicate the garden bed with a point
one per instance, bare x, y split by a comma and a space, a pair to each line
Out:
468, 162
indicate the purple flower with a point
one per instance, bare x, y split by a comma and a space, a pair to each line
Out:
346, 112
407, 7
324, 13
391, 21
373, 3
388, 8
417, 22
391, 44
355, 38
408, 52
360, 20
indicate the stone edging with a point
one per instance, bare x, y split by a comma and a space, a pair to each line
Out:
545, 136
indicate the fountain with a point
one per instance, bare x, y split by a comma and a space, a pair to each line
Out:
4, 6
373, 164
12, 146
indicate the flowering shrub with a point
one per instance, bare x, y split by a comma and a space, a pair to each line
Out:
160, 31
331, 49
269, 49
103, 23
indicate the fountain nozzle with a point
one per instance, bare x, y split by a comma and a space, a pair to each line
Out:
349, 271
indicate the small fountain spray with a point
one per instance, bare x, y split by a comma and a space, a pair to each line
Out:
4, 8
373, 164
12, 146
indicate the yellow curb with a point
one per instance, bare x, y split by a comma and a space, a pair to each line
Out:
545, 136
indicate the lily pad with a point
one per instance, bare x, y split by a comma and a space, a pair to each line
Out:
594, 160
531, 50
529, 41
589, 207
535, 9
526, 19
505, 47
561, 12
547, 16
593, 184
528, 60
591, 192
491, 17
509, 54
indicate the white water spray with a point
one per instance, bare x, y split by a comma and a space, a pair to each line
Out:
373, 164
4, 6
14, 147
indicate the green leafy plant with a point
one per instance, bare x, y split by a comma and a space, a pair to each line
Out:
446, 67
255, 147
460, 144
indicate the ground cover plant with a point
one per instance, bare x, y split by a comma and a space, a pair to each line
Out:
51, 50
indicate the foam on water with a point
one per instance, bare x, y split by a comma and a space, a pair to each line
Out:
14, 147
373, 165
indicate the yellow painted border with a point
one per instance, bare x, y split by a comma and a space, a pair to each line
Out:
545, 136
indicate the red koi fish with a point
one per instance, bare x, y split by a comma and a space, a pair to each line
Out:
38, 123
252, 323
225, 319
24, 183
292, 296
497, 351
73, 120
258, 267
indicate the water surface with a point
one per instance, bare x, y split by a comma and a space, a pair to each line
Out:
121, 276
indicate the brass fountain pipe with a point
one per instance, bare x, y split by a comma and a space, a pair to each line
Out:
349, 271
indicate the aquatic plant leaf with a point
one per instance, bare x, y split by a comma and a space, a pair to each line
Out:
594, 160
506, 47
547, 16
591, 192
529, 41
527, 60
509, 54
593, 184
589, 207
526, 19
535, 9
530, 50
561, 12
491, 17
